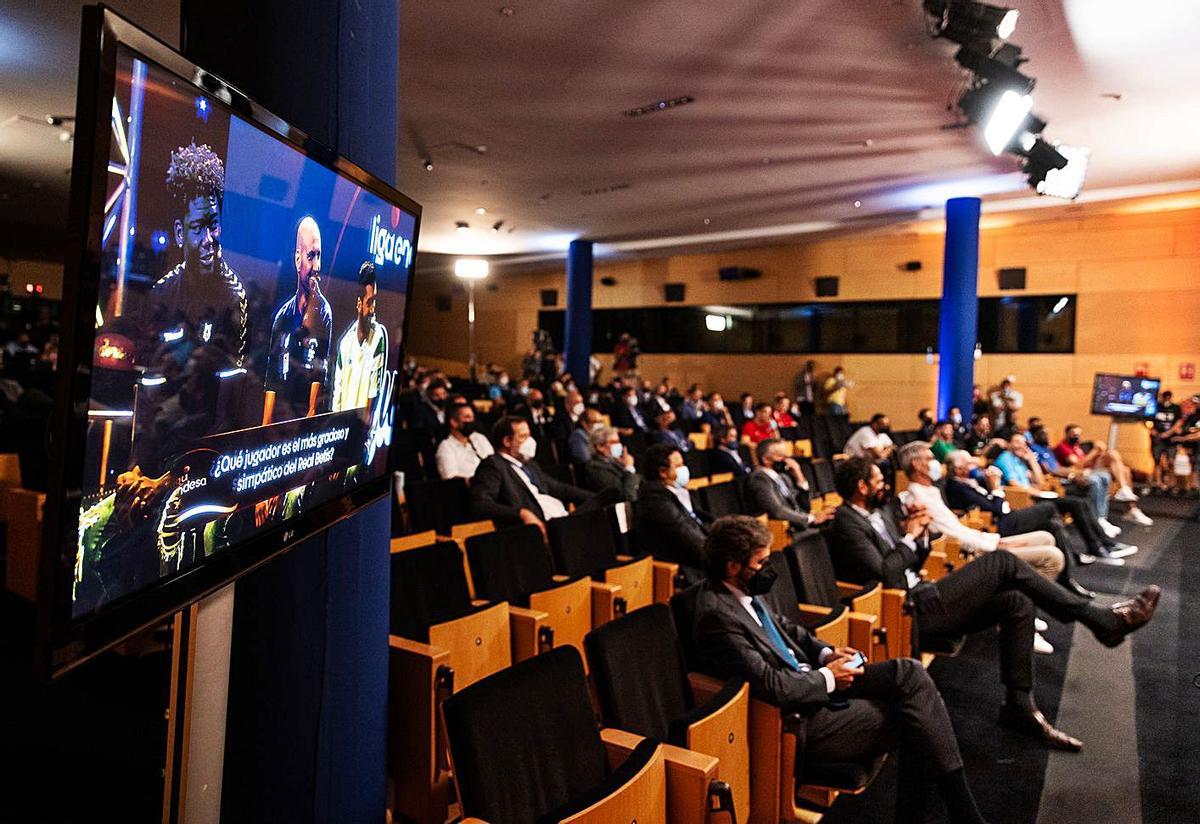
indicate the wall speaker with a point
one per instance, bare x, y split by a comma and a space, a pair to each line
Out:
674, 292
827, 287
549, 297
608, 280
441, 303
1012, 278
738, 273
910, 266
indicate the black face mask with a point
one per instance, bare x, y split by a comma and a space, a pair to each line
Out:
1074, 439
878, 499
760, 583
467, 428
536, 403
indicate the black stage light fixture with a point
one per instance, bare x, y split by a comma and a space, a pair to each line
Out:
1000, 112
996, 72
967, 22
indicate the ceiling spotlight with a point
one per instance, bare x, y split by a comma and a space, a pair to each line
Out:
1002, 115
496, 226
997, 72
428, 164
1058, 170
479, 210
965, 21
462, 226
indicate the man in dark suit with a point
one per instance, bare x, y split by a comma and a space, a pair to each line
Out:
888, 704
664, 433
610, 466
665, 521
541, 425
873, 540
778, 488
627, 416
509, 488
727, 456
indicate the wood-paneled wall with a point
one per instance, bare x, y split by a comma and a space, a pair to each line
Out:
1135, 266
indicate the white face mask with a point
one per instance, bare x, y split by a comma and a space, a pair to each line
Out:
935, 471
631, 400
616, 450
577, 409
682, 476
527, 449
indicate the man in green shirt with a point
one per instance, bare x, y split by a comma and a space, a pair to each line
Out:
943, 441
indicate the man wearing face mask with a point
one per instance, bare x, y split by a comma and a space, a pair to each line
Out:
874, 540
579, 442
778, 488
627, 416
458, 456
610, 466
541, 427
664, 431
510, 489
887, 705
872, 440
666, 522
727, 456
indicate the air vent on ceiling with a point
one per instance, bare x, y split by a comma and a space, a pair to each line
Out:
660, 106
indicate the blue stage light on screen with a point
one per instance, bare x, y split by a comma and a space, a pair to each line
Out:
202, 108
160, 241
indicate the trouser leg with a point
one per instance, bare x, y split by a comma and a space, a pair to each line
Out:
1083, 517
1098, 483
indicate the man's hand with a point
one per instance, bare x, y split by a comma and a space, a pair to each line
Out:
626, 460
137, 494
918, 520
823, 516
843, 676
528, 517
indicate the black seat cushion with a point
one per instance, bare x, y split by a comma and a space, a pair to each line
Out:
638, 671
942, 644
619, 777
678, 728
509, 564
849, 775
582, 543
683, 609
812, 569
428, 587
524, 741
438, 505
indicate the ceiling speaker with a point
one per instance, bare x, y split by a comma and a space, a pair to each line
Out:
608, 280
827, 287
674, 292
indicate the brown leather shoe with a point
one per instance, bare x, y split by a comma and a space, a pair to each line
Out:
1131, 614
1035, 725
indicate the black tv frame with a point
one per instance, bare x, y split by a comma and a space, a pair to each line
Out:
61, 642
1121, 417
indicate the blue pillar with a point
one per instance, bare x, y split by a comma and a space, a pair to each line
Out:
958, 320
577, 330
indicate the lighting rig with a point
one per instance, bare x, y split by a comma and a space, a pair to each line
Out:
999, 97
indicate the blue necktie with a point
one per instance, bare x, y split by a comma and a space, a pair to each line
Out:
532, 478
774, 635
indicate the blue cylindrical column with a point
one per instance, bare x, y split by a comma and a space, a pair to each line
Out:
577, 330
958, 320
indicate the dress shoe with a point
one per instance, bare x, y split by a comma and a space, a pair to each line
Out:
1031, 722
1131, 614
1079, 589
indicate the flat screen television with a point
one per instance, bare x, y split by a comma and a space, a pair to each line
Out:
234, 313
1125, 396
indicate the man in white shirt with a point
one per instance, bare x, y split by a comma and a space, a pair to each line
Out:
872, 441
361, 354
458, 456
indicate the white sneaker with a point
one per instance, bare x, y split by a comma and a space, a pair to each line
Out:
1138, 517
1110, 529
1040, 625
1041, 645
1126, 495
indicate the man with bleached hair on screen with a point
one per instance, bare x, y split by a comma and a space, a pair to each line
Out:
361, 350
300, 333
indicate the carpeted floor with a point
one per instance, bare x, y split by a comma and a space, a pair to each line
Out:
1141, 729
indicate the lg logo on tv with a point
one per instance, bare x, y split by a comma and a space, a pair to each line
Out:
387, 246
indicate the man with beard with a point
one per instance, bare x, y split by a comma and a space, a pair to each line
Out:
201, 300
301, 332
361, 350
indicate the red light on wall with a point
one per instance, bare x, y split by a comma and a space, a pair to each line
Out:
37, 287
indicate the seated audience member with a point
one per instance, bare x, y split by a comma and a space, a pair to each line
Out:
1021, 468
1186, 435
716, 413
691, 411
964, 492
1006, 402
872, 542
980, 439
743, 413
1071, 455
665, 521
509, 488
872, 440
579, 442
1088, 483
460, 453
761, 426
663, 433
627, 416
727, 457
778, 488
960, 427
925, 424
610, 466
429, 412
943, 440
781, 412
889, 704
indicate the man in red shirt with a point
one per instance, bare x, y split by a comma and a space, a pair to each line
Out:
760, 427
783, 418
1100, 461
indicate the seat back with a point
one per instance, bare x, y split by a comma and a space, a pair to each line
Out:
429, 586
823, 475
582, 543
721, 499
698, 462
783, 596
683, 610
811, 567
508, 564
437, 505
638, 670
524, 741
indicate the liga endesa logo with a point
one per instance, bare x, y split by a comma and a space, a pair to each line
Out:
388, 246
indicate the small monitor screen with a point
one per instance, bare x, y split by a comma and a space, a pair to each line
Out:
1125, 396
247, 335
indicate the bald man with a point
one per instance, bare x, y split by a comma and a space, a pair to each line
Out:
301, 334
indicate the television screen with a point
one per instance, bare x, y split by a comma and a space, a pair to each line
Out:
239, 315
1125, 396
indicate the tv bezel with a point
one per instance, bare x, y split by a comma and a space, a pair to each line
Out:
62, 642
1119, 415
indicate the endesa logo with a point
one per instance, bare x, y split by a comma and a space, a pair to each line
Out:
387, 246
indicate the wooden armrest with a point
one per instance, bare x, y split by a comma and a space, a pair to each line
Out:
473, 821
414, 738
688, 776
618, 744
704, 686
862, 632
560, 578
604, 598
664, 581
405, 647
531, 633
625, 558
848, 590
898, 623
480, 602
814, 610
